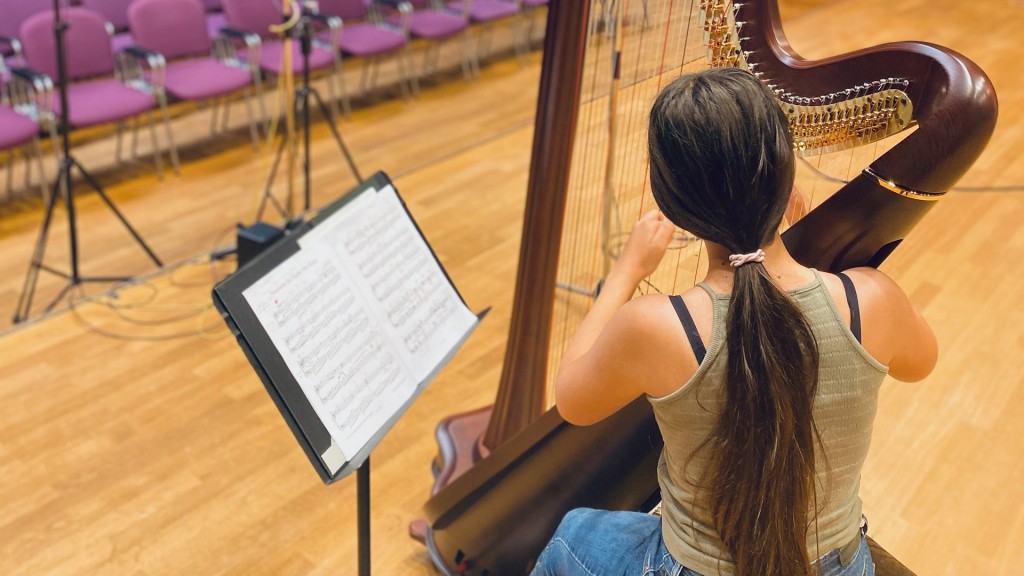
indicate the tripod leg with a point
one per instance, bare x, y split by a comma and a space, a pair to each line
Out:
106, 200
337, 137
268, 189
28, 288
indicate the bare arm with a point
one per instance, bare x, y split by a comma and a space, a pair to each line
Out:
598, 372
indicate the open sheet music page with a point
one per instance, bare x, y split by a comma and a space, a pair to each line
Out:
362, 315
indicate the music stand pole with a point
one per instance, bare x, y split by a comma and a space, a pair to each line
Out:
302, 94
62, 187
363, 512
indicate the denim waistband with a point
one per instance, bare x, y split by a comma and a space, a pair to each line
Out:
848, 551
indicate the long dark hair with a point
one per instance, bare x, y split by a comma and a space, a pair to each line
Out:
722, 168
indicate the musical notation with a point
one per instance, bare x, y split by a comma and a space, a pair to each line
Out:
361, 315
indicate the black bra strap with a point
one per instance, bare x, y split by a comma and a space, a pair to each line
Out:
689, 327
851, 299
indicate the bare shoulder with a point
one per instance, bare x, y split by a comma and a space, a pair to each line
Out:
655, 311
871, 282
658, 343
894, 331
648, 315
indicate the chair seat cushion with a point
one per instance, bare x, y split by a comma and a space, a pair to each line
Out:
102, 101
271, 57
201, 78
15, 129
434, 24
487, 10
368, 40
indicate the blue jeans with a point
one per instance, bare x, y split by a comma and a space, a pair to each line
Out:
602, 543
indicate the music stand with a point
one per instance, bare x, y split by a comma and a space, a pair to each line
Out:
63, 185
302, 94
291, 274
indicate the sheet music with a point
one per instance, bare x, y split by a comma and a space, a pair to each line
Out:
361, 315
387, 257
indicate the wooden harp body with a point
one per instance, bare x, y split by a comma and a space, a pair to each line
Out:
506, 475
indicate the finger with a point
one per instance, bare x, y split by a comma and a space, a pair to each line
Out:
664, 234
653, 215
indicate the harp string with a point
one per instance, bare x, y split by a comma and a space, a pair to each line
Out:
601, 259
610, 179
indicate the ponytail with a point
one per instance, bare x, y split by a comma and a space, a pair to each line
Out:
722, 168
761, 476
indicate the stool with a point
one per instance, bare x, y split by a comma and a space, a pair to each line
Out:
885, 564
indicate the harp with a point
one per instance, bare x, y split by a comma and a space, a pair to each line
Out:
505, 475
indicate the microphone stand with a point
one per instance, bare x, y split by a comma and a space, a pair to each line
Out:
302, 94
63, 186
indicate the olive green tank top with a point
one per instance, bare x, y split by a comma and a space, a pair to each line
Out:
844, 411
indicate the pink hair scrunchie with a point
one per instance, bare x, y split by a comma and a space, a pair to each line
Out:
737, 260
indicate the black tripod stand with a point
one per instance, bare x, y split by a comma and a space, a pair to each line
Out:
63, 186
302, 93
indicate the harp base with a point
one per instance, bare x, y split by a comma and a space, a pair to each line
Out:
459, 447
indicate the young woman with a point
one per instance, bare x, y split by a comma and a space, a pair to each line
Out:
764, 377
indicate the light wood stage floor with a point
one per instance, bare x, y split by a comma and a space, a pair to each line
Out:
159, 452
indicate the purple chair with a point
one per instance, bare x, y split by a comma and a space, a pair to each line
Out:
115, 12
486, 13
258, 16
366, 34
433, 20
14, 13
95, 96
20, 132
176, 31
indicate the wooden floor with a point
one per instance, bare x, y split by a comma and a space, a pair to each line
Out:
153, 449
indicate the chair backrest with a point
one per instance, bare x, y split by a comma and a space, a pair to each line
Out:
212, 5
253, 16
86, 44
115, 11
174, 28
346, 9
15, 12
